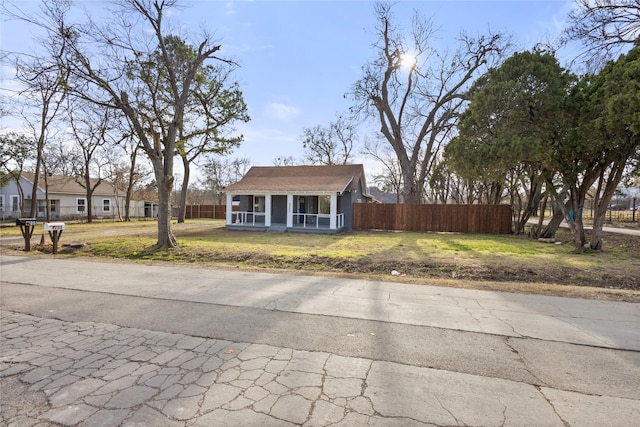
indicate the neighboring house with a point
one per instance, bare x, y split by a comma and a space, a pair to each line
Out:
67, 198
296, 198
382, 197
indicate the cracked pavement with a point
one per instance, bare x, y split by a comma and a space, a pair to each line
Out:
106, 344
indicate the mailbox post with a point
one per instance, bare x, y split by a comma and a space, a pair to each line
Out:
26, 227
55, 230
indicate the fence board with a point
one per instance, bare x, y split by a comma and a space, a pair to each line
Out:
207, 211
489, 219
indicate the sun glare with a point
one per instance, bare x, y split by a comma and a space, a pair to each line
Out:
408, 60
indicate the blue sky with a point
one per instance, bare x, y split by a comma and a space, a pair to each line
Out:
299, 58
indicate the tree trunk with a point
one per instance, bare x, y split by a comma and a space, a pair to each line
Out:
533, 200
410, 194
46, 197
611, 183
558, 213
597, 231
541, 214
166, 239
87, 183
36, 176
553, 225
127, 200
182, 210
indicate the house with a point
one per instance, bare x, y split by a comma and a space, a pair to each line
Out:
382, 197
67, 198
296, 198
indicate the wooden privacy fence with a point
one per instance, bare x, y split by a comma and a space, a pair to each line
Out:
488, 219
207, 211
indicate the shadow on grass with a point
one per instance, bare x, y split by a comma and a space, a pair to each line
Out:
419, 255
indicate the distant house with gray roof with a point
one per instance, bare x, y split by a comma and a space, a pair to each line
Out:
67, 198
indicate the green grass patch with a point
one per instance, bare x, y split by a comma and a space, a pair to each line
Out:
419, 255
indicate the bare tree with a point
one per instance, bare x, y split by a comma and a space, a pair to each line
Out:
284, 161
390, 178
604, 26
239, 168
112, 61
415, 93
116, 172
91, 127
220, 172
219, 101
61, 158
45, 80
136, 171
330, 145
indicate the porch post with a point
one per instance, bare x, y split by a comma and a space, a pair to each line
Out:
289, 210
229, 211
267, 210
333, 211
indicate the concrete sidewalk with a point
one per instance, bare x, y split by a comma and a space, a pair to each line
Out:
130, 345
596, 323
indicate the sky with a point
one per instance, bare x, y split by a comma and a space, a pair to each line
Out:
298, 59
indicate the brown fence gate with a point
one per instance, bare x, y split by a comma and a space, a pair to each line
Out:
488, 219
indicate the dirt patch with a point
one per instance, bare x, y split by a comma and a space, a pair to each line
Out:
400, 268
494, 273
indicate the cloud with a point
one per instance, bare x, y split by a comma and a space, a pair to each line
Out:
279, 111
230, 8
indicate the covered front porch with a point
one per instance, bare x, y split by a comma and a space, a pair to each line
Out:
311, 213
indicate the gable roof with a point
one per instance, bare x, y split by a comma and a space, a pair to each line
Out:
332, 178
69, 185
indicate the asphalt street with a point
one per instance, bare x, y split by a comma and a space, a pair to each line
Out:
127, 344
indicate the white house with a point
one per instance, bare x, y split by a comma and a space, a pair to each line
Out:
67, 198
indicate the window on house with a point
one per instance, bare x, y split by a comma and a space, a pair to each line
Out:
324, 205
81, 205
106, 205
15, 203
53, 205
259, 204
1, 202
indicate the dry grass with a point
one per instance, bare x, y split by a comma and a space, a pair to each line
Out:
506, 263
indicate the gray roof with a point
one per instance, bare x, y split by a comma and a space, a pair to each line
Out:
286, 179
70, 185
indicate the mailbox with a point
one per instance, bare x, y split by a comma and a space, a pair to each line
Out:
26, 228
55, 230
28, 222
53, 226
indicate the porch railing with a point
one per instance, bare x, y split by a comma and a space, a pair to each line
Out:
305, 220
248, 218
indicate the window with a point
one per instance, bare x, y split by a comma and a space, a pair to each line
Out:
1, 202
324, 205
53, 205
106, 205
259, 204
15, 203
81, 205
